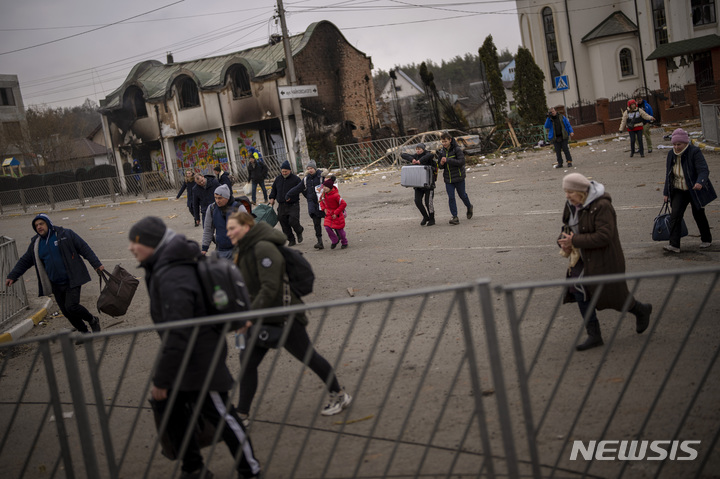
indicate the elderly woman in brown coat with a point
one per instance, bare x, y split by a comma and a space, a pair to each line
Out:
590, 239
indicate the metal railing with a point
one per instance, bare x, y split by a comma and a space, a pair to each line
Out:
710, 121
13, 299
375, 153
442, 387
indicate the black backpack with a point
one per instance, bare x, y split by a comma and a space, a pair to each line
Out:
300, 276
223, 287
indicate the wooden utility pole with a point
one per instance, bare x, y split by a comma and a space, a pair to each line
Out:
297, 110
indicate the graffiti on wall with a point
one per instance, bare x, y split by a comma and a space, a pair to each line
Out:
201, 152
157, 160
247, 139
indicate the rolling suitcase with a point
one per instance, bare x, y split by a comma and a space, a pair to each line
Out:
416, 176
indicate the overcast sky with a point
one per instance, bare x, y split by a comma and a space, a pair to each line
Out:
66, 51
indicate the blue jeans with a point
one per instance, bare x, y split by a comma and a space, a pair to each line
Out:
254, 189
460, 188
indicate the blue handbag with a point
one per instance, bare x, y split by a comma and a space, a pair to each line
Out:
661, 225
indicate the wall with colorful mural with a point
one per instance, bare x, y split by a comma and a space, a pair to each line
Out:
201, 152
158, 162
246, 139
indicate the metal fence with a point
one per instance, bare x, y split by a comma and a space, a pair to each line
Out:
13, 299
443, 386
377, 153
710, 121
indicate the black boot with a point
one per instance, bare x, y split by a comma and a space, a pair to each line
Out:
642, 313
594, 338
424, 221
319, 244
431, 219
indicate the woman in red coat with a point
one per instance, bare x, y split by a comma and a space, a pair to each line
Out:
334, 208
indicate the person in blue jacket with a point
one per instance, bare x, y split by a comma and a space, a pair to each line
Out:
313, 178
56, 253
559, 133
647, 124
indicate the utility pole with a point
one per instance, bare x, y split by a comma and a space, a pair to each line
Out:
297, 110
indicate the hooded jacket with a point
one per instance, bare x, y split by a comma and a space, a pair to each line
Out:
594, 225
257, 171
454, 167
204, 196
306, 187
333, 204
175, 294
190, 186
426, 158
263, 267
695, 170
72, 249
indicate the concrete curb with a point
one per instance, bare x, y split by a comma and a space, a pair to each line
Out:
26, 325
704, 146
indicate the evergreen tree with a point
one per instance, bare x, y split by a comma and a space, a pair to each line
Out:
489, 57
528, 89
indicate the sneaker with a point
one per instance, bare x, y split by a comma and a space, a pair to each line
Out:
338, 401
556, 165
343, 246
244, 419
569, 163
95, 324
649, 150
292, 242
318, 245
454, 221
333, 245
704, 244
196, 474
671, 248
470, 212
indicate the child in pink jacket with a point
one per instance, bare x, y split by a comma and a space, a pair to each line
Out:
334, 208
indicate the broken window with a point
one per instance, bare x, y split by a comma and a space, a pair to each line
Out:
135, 102
660, 22
6, 97
703, 12
188, 94
240, 82
626, 66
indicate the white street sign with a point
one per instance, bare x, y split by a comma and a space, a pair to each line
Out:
560, 67
297, 91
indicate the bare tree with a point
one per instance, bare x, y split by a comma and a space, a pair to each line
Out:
48, 142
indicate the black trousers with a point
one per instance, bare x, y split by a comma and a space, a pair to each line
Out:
297, 344
679, 201
424, 201
212, 410
289, 217
562, 146
636, 136
68, 299
317, 224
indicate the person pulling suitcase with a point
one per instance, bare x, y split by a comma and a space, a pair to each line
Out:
424, 195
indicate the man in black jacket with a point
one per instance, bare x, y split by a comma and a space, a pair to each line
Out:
426, 195
451, 159
288, 203
56, 254
203, 195
257, 172
223, 177
176, 294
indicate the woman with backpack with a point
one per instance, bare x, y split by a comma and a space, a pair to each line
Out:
263, 266
632, 119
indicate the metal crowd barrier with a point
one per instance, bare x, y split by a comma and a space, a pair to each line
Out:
442, 386
13, 299
710, 121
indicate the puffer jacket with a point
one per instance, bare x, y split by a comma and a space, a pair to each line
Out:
333, 206
306, 187
175, 294
454, 167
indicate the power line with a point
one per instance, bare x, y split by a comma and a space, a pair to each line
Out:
89, 31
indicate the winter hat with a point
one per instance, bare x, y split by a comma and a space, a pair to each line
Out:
223, 191
631, 102
328, 183
680, 136
285, 165
149, 231
312, 164
420, 145
576, 182
218, 168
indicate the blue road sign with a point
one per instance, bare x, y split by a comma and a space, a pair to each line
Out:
561, 83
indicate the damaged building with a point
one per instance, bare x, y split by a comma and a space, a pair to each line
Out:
201, 113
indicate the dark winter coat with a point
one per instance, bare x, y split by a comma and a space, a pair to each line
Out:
695, 170
263, 267
426, 158
257, 171
306, 187
564, 123
204, 196
600, 250
175, 294
224, 179
189, 185
72, 249
282, 189
454, 167
334, 205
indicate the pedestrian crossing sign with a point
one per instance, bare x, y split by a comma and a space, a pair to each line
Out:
561, 83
